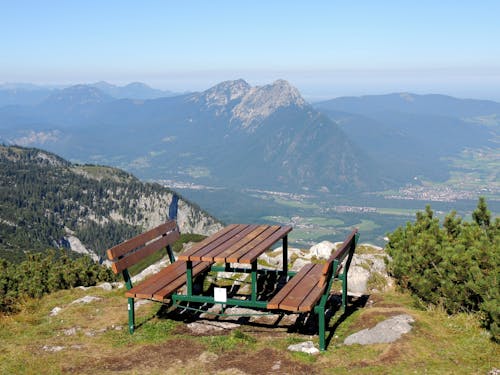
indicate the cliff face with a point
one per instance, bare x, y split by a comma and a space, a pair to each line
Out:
152, 209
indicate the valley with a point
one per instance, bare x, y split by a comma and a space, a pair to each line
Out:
263, 154
317, 217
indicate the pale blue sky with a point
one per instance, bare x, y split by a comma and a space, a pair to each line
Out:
325, 48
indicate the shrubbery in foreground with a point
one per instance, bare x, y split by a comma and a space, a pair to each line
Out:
46, 273
456, 265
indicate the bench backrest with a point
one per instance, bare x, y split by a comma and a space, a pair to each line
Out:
347, 248
139, 247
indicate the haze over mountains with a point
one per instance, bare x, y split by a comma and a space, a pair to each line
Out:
29, 94
267, 136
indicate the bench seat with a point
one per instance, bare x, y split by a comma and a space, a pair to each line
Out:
166, 282
302, 292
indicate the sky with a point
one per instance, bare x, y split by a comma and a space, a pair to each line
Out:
324, 48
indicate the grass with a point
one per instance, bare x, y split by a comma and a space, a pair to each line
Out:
95, 339
366, 225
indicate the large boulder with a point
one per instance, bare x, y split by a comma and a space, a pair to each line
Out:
322, 250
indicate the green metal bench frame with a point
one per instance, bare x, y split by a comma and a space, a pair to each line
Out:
309, 289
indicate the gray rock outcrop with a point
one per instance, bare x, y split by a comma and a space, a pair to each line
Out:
387, 331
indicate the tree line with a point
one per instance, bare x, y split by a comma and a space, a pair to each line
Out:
43, 196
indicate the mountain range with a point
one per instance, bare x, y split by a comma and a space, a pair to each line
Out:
30, 94
266, 136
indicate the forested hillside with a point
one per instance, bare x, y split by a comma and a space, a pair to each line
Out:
47, 202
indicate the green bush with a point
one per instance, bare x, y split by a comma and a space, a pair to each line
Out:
45, 273
456, 265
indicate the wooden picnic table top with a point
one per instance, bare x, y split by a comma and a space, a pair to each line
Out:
237, 243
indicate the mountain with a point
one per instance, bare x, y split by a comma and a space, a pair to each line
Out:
266, 137
269, 132
431, 104
23, 94
416, 135
134, 90
47, 201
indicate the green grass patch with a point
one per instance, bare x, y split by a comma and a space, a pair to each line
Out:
367, 225
224, 343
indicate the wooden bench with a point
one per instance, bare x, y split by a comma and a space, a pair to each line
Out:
163, 284
310, 288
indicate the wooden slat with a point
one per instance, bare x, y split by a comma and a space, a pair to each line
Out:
314, 293
253, 254
148, 287
167, 290
300, 292
243, 239
165, 282
218, 245
287, 289
133, 243
235, 257
146, 251
228, 243
200, 248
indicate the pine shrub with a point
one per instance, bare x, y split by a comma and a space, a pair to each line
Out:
456, 265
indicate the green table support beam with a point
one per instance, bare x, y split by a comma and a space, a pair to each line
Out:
230, 301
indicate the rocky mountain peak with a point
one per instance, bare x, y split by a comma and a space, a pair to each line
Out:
223, 94
261, 101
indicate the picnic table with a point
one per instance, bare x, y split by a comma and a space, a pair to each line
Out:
235, 249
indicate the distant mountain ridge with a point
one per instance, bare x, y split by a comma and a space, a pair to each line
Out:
430, 104
414, 135
22, 94
265, 137
270, 132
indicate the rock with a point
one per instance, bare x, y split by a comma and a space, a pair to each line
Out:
357, 280
322, 250
105, 286
304, 347
152, 269
55, 311
70, 331
92, 333
141, 302
372, 261
210, 326
53, 349
86, 299
387, 331
276, 366
207, 357
299, 263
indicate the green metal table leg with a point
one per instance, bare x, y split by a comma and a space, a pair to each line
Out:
254, 281
285, 257
189, 278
